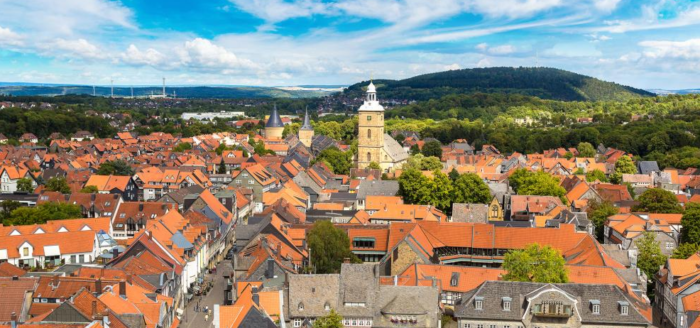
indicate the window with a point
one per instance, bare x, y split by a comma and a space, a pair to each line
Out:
506, 303
25, 251
494, 211
297, 322
369, 133
466, 325
669, 245
479, 303
624, 310
369, 117
492, 326
596, 308
479, 326
453, 282
250, 182
369, 157
301, 306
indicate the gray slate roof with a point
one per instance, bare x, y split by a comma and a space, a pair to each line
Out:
474, 213
274, 121
646, 167
493, 292
377, 188
307, 121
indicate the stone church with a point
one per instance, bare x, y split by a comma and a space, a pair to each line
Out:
373, 144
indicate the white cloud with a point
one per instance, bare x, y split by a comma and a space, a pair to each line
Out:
452, 67
80, 48
606, 5
502, 50
274, 11
9, 38
134, 56
687, 50
650, 21
203, 54
484, 63
48, 18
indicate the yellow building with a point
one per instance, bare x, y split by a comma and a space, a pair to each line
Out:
274, 126
306, 132
373, 144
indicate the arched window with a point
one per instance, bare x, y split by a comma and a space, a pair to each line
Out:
301, 306
369, 157
494, 211
369, 133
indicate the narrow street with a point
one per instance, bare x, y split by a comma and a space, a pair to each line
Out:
194, 319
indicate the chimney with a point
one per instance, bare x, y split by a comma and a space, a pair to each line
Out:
115, 253
270, 271
13, 319
122, 289
128, 278
94, 309
255, 296
140, 207
98, 286
54, 283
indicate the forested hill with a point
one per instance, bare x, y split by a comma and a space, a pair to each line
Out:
545, 83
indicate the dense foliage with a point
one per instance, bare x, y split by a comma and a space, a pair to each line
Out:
650, 257
535, 263
441, 190
657, 200
117, 167
328, 246
547, 83
538, 183
40, 214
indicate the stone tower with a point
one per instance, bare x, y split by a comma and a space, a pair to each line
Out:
274, 125
370, 130
306, 133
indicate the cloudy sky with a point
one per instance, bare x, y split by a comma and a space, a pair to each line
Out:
642, 43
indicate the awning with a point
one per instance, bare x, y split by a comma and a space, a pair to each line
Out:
52, 250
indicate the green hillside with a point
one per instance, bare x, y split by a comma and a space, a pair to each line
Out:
545, 83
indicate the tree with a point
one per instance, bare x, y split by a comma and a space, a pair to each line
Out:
690, 223
453, 174
585, 149
330, 320
657, 200
374, 166
43, 213
337, 160
537, 183
624, 165
596, 174
182, 147
89, 190
685, 250
470, 188
432, 148
329, 246
535, 264
222, 167
598, 213
441, 195
649, 258
25, 184
58, 184
117, 167
414, 150
422, 163
415, 187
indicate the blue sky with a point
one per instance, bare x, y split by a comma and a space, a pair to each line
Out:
642, 43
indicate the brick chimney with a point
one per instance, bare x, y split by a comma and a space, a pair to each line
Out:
94, 309
122, 289
255, 296
13, 320
98, 286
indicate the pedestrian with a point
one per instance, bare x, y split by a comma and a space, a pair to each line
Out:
206, 317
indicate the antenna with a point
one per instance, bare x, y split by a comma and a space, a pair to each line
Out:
163, 87
132, 91
93, 90
111, 81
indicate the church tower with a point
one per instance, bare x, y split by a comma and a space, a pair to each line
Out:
274, 125
306, 133
371, 130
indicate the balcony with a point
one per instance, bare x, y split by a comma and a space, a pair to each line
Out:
552, 310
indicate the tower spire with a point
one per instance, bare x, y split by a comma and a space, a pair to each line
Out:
307, 121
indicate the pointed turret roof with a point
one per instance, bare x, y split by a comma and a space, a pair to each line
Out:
274, 121
307, 121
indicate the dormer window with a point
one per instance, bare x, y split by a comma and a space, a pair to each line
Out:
301, 306
624, 307
454, 280
506, 303
327, 307
479, 303
595, 306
